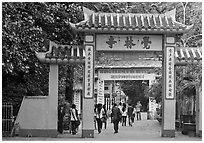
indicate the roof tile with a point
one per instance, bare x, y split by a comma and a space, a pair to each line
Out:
131, 22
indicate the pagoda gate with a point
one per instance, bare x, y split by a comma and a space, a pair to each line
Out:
143, 36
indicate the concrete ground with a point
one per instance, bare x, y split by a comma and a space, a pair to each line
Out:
143, 130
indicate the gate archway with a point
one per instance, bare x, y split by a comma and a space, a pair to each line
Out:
110, 32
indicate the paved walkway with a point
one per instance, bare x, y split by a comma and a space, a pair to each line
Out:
144, 130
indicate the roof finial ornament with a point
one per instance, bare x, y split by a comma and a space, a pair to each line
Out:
171, 13
87, 13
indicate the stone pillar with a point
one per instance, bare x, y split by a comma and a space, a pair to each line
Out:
53, 100
198, 110
88, 98
168, 90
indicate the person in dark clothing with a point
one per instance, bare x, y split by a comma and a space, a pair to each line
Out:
130, 114
61, 114
115, 117
105, 116
96, 106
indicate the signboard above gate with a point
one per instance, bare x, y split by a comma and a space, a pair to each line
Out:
129, 42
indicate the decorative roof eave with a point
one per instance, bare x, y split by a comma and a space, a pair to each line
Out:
190, 55
131, 23
131, 30
62, 54
42, 58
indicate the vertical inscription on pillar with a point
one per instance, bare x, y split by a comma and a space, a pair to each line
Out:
170, 73
100, 97
89, 71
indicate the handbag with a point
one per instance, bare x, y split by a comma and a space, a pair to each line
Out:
78, 122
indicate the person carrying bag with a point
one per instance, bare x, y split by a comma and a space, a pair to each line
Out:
75, 122
99, 116
116, 116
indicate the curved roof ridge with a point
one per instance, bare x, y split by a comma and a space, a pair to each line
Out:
98, 22
88, 12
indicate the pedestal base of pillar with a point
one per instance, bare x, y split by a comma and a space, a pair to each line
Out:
168, 133
199, 134
38, 133
89, 133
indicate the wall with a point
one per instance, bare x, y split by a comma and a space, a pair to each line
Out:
33, 117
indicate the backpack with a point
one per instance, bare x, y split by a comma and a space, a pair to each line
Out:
123, 109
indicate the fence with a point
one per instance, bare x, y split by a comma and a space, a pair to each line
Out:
7, 118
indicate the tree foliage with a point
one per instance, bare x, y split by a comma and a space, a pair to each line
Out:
25, 29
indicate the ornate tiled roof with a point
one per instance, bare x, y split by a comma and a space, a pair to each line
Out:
188, 54
62, 54
131, 22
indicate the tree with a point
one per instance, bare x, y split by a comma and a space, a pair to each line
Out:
25, 29
135, 90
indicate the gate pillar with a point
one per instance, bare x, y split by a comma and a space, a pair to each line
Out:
53, 100
199, 110
168, 90
88, 98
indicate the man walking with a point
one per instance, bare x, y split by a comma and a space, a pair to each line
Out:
115, 117
130, 114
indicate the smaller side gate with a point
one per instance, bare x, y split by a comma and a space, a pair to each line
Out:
7, 118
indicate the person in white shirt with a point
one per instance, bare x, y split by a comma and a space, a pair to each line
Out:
124, 114
74, 119
99, 115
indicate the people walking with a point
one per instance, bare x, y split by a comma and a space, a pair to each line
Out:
115, 117
130, 114
138, 110
105, 117
99, 115
96, 106
61, 114
124, 115
74, 119
120, 107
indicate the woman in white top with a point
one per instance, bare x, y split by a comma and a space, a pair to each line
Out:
74, 118
124, 114
99, 115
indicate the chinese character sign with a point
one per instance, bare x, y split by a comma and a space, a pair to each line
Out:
89, 72
129, 42
100, 96
170, 73
77, 101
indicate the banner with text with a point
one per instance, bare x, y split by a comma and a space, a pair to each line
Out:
89, 71
169, 73
100, 95
115, 76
